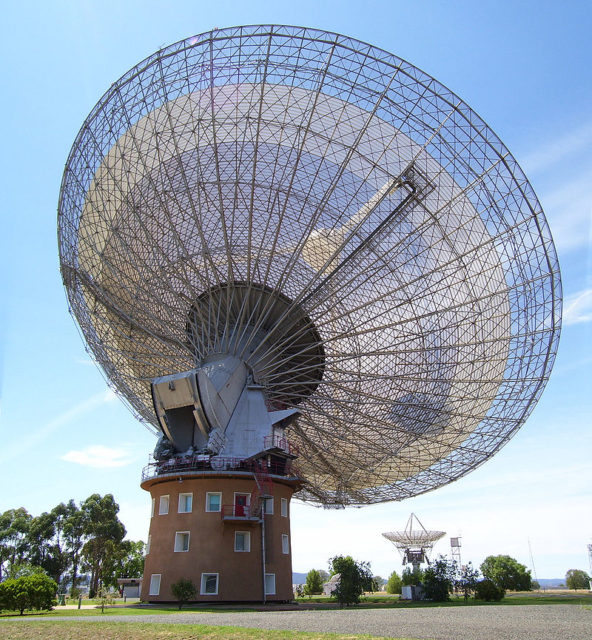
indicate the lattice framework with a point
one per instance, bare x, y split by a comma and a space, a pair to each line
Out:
359, 189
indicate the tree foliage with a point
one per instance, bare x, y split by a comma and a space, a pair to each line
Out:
68, 538
184, 590
507, 573
104, 531
487, 590
314, 583
467, 580
124, 560
410, 576
577, 579
438, 579
35, 591
354, 579
14, 525
394, 583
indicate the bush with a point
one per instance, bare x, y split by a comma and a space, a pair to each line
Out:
412, 577
314, 583
467, 580
184, 590
35, 591
488, 591
354, 579
394, 583
438, 580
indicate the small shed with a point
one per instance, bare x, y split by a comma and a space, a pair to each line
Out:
129, 587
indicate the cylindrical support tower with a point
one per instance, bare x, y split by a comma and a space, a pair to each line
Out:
207, 526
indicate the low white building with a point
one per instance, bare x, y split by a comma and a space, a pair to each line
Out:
330, 586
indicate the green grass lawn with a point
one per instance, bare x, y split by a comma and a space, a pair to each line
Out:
317, 602
512, 598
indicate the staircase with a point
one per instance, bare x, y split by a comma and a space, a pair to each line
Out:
263, 486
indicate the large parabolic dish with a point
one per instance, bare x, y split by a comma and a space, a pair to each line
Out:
337, 220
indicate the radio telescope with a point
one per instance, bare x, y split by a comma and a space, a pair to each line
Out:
415, 543
284, 243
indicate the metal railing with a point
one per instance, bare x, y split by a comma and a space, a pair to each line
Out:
279, 442
207, 464
240, 512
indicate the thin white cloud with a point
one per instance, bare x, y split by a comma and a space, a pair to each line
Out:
34, 438
98, 457
562, 165
556, 151
569, 211
577, 308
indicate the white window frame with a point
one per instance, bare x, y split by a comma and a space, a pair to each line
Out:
213, 493
269, 576
285, 544
267, 509
284, 507
247, 541
184, 495
161, 511
147, 549
203, 582
181, 536
153, 508
154, 589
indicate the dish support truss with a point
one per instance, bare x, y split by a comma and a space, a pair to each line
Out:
369, 199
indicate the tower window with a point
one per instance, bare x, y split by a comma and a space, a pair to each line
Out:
163, 506
285, 543
182, 541
242, 541
268, 506
213, 502
270, 584
154, 584
185, 502
284, 507
209, 584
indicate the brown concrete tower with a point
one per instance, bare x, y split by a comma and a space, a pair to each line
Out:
227, 529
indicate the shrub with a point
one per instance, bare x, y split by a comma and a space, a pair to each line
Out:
184, 590
394, 583
35, 591
314, 583
412, 577
488, 591
438, 580
354, 579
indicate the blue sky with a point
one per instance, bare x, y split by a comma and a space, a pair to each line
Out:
523, 66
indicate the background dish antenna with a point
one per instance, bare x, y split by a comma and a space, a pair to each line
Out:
415, 543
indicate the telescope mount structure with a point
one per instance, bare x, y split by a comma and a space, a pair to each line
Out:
309, 268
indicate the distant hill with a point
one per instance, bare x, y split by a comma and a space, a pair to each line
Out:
298, 578
551, 582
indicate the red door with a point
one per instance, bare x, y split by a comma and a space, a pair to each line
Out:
240, 505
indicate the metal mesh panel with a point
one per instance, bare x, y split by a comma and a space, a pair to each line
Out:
394, 226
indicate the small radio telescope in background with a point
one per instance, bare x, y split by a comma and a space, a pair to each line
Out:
282, 243
415, 542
